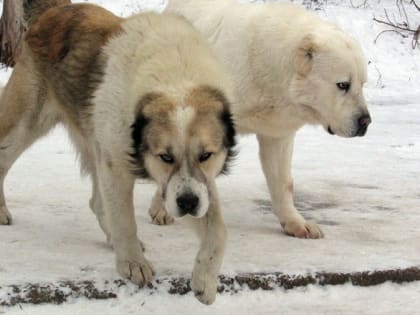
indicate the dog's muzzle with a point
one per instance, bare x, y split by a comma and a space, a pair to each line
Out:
360, 126
363, 123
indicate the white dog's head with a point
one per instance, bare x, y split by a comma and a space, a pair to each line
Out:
183, 144
331, 72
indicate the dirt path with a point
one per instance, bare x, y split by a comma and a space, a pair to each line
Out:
63, 291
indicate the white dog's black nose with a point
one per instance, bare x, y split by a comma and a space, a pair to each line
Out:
187, 203
363, 124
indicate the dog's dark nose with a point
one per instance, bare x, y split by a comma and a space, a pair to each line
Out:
187, 203
363, 124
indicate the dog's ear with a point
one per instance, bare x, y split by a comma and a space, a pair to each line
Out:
227, 122
305, 54
229, 140
139, 146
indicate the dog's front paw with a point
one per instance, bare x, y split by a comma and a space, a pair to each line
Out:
302, 229
139, 272
5, 216
204, 286
160, 216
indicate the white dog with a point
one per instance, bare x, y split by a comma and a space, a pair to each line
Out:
290, 68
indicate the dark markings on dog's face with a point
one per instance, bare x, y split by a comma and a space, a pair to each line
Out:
212, 126
67, 42
225, 118
151, 125
139, 147
183, 143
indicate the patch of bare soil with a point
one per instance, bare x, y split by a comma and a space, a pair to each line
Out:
63, 291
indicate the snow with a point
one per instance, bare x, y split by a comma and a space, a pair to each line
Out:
364, 192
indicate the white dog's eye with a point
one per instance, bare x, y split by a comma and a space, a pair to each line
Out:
344, 86
205, 156
167, 158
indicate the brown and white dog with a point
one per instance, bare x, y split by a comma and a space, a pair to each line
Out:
290, 68
141, 97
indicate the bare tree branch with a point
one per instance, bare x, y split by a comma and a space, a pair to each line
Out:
389, 31
392, 24
361, 5
417, 6
403, 27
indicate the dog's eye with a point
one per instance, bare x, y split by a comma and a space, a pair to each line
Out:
205, 156
344, 86
167, 158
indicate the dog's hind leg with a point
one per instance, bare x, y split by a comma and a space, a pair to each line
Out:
276, 160
158, 212
24, 118
212, 232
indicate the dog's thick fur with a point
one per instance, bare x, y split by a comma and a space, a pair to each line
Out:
141, 97
290, 68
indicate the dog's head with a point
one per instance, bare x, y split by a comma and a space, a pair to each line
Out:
183, 144
331, 72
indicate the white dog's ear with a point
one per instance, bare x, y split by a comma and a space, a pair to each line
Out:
305, 54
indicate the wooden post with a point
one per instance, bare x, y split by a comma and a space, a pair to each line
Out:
12, 30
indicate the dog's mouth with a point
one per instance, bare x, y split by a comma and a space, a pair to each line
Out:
330, 131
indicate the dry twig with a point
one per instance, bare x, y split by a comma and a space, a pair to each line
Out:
403, 27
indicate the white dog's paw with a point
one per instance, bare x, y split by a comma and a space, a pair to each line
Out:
302, 229
139, 272
160, 216
204, 286
5, 216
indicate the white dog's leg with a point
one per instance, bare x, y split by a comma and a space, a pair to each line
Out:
276, 158
116, 188
212, 232
158, 212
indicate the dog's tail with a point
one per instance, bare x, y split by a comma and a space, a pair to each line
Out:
34, 8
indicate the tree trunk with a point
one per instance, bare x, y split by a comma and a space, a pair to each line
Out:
12, 30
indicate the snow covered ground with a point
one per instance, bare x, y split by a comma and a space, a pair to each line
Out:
364, 192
